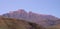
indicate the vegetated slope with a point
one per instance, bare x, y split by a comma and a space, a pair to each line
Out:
10, 23
57, 26
42, 19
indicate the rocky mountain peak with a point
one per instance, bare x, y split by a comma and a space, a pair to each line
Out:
32, 17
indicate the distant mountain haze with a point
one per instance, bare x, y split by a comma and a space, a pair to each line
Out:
45, 20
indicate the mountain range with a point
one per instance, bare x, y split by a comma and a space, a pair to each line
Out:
41, 19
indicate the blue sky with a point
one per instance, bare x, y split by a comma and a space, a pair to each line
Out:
50, 7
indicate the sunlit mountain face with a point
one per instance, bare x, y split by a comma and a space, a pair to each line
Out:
45, 20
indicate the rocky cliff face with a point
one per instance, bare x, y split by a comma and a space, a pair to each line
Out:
10, 23
44, 20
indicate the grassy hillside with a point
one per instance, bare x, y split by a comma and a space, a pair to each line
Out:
10, 23
54, 27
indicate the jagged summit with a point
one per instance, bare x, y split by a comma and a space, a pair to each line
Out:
18, 11
21, 10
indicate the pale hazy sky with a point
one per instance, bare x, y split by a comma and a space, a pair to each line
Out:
51, 7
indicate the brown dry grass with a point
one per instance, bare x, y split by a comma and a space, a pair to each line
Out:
54, 27
9, 23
